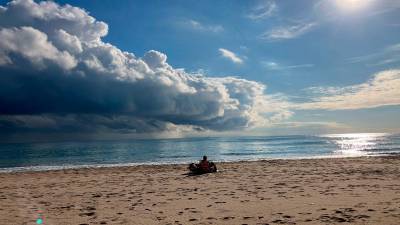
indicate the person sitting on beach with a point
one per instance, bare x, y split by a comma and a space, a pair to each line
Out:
204, 166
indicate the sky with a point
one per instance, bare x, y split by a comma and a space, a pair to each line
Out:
126, 69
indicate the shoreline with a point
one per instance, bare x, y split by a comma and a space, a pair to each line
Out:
121, 165
362, 190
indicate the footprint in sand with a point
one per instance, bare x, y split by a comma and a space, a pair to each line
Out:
161, 217
362, 216
228, 218
278, 221
87, 214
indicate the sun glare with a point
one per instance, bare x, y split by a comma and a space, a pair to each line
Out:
352, 5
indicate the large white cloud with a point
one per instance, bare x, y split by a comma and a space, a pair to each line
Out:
49, 17
32, 45
54, 65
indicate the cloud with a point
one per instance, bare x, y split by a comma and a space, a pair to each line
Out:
230, 55
388, 55
288, 32
312, 125
394, 59
263, 10
275, 66
57, 76
47, 15
196, 25
271, 65
309, 127
49, 123
383, 89
32, 45
301, 127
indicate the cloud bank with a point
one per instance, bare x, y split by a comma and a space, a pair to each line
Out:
383, 89
57, 75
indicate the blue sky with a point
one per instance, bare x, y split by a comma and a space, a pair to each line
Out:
321, 58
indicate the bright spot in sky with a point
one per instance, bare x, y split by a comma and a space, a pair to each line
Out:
352, 5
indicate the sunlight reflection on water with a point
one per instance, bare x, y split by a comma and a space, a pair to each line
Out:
356, 144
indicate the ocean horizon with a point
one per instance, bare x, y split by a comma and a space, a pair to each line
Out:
80, 154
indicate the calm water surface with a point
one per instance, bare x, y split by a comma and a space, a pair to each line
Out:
43, 156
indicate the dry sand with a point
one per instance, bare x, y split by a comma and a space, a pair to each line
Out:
313, 191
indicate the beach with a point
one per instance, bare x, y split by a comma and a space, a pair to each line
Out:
363, 190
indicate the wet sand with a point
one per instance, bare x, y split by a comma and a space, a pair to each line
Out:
311, 191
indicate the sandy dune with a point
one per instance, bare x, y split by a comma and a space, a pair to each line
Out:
313, 191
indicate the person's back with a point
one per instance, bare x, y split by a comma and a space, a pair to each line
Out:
204, 164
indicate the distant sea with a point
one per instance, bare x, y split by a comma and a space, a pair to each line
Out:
58, 155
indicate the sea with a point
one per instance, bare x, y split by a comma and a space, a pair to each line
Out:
40, 156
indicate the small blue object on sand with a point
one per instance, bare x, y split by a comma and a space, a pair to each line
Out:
39, 221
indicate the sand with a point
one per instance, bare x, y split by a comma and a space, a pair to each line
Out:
311, 191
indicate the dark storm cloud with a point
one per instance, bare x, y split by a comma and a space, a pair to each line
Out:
56, 74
